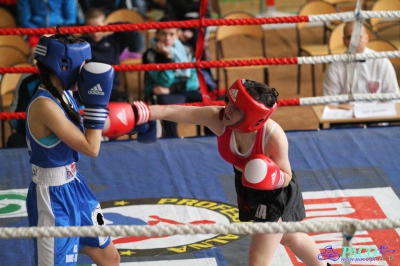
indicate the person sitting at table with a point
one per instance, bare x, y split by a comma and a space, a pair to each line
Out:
370, 75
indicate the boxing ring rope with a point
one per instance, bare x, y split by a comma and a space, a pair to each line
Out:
205, 22
189, 229
304, 101
348, 228
234, 63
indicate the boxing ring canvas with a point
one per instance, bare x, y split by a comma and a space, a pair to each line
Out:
345, 174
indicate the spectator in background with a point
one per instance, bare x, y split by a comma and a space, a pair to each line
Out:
43, 13
370, 75
107, 6
170, 86
107, 48
143, 6
186, 10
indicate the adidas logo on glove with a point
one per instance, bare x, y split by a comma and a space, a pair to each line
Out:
122, 117
96, 90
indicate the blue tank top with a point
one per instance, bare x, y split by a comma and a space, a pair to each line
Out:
54, 153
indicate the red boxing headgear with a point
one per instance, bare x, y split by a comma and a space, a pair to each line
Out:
256, 113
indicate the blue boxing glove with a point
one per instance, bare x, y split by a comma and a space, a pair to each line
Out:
147, 133
94, 87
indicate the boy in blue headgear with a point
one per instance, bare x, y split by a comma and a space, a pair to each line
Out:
56, 135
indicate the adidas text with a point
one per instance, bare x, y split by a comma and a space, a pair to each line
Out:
96, 90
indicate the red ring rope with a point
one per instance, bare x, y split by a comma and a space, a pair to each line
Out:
282, 102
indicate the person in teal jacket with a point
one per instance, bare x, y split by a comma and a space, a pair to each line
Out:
170, 86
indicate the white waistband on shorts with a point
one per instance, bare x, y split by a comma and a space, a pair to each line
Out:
55, 176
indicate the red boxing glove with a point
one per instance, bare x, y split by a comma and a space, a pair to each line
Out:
120, 120
261, 173
123, 117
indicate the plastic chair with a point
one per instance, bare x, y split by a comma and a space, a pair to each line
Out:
7, 20
17, 42
316, 48
8, 84
128, 15
335, 44
226, 35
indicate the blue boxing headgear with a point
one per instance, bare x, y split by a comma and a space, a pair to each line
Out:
64, 55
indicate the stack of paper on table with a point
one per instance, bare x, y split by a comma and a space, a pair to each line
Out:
359, 110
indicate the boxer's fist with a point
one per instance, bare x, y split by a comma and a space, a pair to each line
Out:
94, 87
123, 117
120, 120
261, 173
95, 84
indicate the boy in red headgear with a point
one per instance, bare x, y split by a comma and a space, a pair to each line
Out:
267, 189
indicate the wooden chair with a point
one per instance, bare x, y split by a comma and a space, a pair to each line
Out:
216, 8
367, 4
335, 44
8, 84
380, 26
17, 42
128, 15
313, 48
342, 5
10, 56
229, 35
126, 78
386, 46
7, 20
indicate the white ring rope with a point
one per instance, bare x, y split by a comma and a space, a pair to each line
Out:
350, 15
346, 57
168, 229
344, 98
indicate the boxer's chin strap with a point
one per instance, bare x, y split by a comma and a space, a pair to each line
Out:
355, 38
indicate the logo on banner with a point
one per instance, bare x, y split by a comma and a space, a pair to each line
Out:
175, 211
357, 254
13, 203
368, 246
